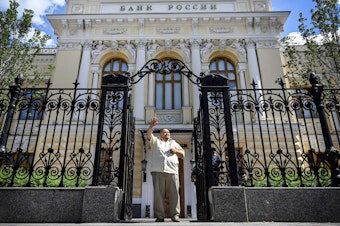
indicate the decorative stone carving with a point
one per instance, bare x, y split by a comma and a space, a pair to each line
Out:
168, 45
184, 46
168, 30
141, 26
130, 47
115, 31
194, 25
98, 47
141, 44
115, 45
69, 46
87, 44
222, 44
260, 6
221, 30
239, 47
152, 48
169, 117
207, 47
195, 43
48, 51
267, 44
77, 8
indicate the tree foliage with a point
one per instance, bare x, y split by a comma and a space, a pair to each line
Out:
320, 52
19, 44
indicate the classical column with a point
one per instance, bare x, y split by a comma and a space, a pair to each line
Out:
253, 63
95, 75
151, 93
152, 48
186, 108
85, 63
83, 76
241, 68
254, 70
196, 69
185, 91
139, 87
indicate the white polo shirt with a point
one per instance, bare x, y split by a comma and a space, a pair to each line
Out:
161, 158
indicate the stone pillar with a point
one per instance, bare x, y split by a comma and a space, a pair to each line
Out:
186, 108
196, 69
95, 80
95, 75
253, 66
185, 89
241, 68
139, 87
254, 71
85, 63
83, 76
150, 108
151, 93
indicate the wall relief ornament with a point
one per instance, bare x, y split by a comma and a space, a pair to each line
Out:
169, 117
208, 46
221, 30
130, 48
69, 46
168, 30
77, 8
114, 31
98, 47
152, 48
183, 45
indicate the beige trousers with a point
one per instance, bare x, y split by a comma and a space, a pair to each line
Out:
165, 183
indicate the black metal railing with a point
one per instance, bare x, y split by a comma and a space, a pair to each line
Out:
282, 137
49, 138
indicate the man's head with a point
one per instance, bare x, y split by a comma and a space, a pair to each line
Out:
165, 134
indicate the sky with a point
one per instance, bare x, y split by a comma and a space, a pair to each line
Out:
43, 7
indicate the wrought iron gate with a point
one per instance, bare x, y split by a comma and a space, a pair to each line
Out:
213, 135
115, 139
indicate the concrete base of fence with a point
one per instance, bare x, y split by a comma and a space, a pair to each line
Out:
57, 205
244, 204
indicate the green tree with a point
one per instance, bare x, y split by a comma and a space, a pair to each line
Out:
320, 52
19, 44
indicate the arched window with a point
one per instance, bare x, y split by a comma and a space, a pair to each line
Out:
224, 67
115, 66
168, 93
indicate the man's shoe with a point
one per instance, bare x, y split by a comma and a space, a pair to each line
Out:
158, 219
175, 219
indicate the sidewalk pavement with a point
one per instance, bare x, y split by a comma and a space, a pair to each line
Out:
184, 222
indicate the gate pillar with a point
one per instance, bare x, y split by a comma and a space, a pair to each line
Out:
114, 138
214, 127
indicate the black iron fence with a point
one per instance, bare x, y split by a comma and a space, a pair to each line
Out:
49, 137
281, 137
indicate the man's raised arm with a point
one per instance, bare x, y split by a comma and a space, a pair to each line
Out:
150, 129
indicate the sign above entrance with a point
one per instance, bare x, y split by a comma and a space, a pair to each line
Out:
166, 8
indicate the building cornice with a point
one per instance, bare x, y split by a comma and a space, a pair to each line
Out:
255, 23
117, 17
